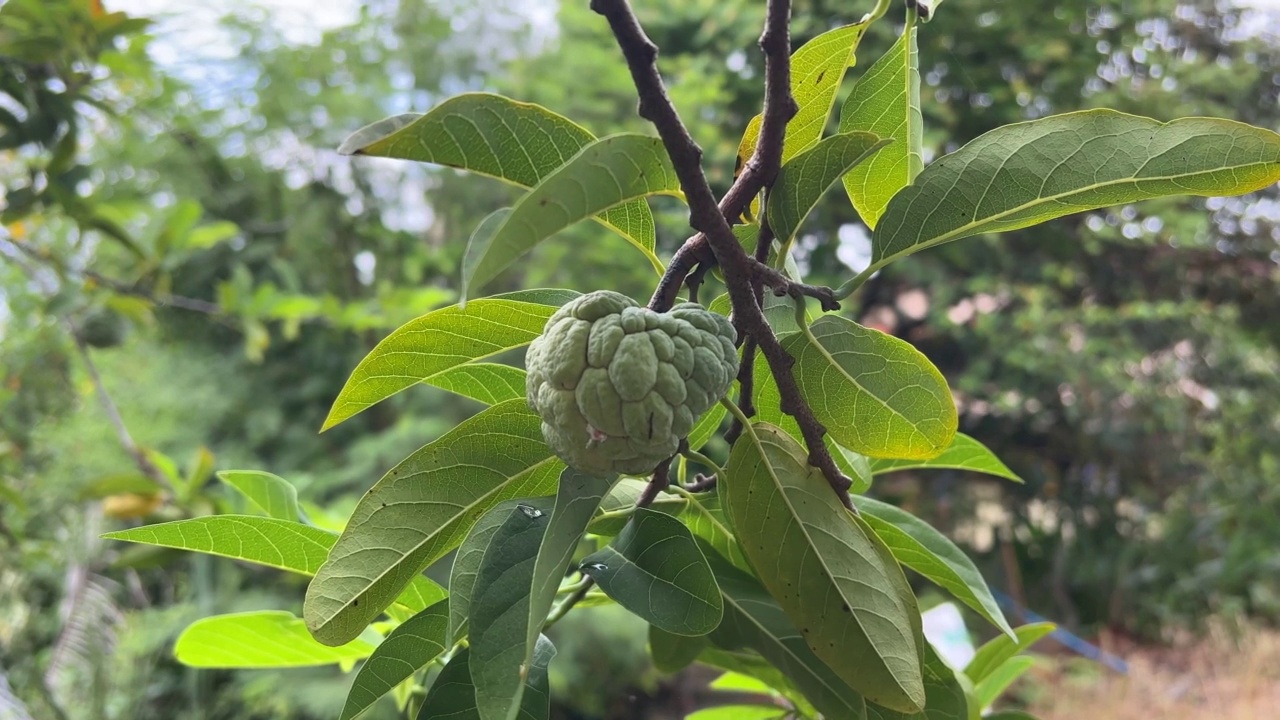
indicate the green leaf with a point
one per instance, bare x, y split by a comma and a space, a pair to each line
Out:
919, 546
265, 639
705, 519
443, 339
999, 680
453, 696
806, 177
886, 101
604, 174
706, 427
754, 620
945, 698
516, 142
117, 484
516, 584
817, 68
620, 504
466, 563
271, 493
408, 648
489, 383
421, 509
964, 453
1023, 174
1010, 715
655, 569
999, 649
876, 394
825, 567
672, 653
740, 712
749, 663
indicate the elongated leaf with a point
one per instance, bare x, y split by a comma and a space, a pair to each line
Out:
919, 546
655, 569
817, 68
604, 174
408, 648
466, 563
826, 569
443, 339
999, 680
740, 712
516, 584
877, 395
886, 101
488, 383
1011, 715
453, 695
706, 520
266, 639
999, 649
706, 427
517, 142
619, 505
965, 453
945, 698
754, 620
271, 493
806, 177
672, 653
1023, 174
421, 509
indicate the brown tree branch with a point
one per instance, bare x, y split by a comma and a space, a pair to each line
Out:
706, 215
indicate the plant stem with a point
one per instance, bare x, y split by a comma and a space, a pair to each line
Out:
698, 457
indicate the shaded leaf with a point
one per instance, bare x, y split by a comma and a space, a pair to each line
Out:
706, 520
655, 569
604, 174
443, 339
999, 649
1023, 174
876, 394
945, 698
265, 639
886, 101
805, 178
489, 383
919, 546
271, 493
672, 653
407, 649
492, 135
998, 680
827, 570
619, 505
421, 509
964, 453
453, 696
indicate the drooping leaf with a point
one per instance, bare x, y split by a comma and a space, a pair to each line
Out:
453, 695
271, 493
817, 68
443, 339
998, 680
944, 696
827, 570
517, 142
265, 639
754, 620
489, 383
999, 649
876, 394
516, 583
672, 653
706, 520
421, 509
1023, 174
919, 546
604, 174
618, 506
806, 177
655, 569
886, 101
965, 453
408, 648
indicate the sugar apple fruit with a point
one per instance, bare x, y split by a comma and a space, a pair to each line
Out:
617, 385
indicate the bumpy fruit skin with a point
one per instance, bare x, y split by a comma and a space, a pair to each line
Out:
617, 385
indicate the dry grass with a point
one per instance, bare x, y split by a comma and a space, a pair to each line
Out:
1218, 677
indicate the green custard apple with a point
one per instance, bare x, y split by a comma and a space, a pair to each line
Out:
618, 386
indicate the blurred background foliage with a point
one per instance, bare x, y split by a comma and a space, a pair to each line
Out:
182, 249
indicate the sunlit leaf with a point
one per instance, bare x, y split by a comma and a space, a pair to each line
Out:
655, 569
964, 453
830, 574
488, 383
998, 680
266, 639
876, 394
604, 174
705, 519
886, 101
944, 696
421, 509
806, 177
443, 339
619, 505
740, 712
492, 135
408, 648
999, 649
271, 493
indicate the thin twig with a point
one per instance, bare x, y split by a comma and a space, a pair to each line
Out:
567, 604
701, 483
707, 216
